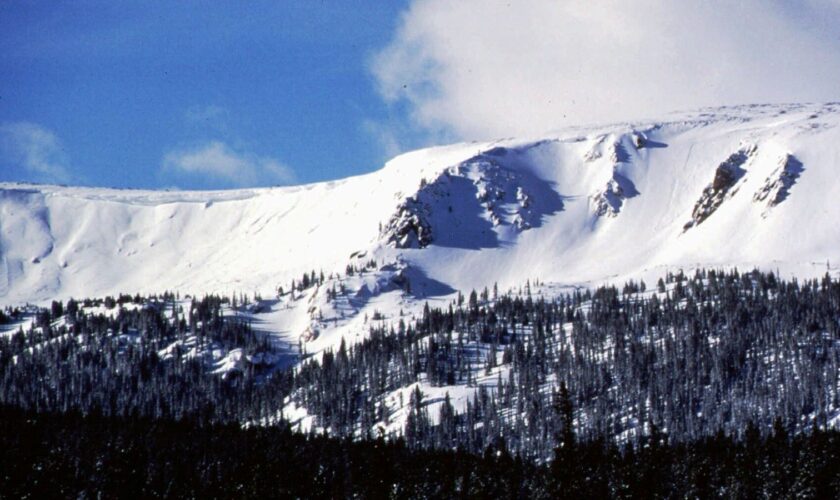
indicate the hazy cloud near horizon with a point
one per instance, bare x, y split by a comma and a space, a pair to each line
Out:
32, 152
217, 160
488, 68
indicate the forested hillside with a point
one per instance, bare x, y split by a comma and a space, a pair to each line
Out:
48, 455
687, 357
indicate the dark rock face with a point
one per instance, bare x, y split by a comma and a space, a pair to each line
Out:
409, 227
726, 177
469, 205
778, 184
609, 200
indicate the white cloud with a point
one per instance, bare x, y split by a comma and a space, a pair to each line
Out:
34, 149
486, 68
386, 137
219, 161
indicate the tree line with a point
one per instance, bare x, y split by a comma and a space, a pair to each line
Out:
61, 455
697, 355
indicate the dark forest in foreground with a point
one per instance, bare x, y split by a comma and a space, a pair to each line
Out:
49, 455
722, 384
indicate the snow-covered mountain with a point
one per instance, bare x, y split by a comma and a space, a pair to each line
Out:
746, 186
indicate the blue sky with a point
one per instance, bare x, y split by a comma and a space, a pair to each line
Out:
218, 94
134, 94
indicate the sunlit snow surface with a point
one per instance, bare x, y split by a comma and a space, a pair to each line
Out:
582, 206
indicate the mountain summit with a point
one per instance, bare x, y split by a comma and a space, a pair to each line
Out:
737, 186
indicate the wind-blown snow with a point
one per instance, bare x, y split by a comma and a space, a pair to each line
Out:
581, 206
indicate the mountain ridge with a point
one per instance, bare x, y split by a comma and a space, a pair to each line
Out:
316, 281
582, 205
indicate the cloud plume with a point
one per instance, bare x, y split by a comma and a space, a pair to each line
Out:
33, 150
488, 68
222, 163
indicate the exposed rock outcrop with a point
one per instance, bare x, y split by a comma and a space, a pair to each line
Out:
777, 186
409, 226
608, 202
618, 188
469, 205
722, 187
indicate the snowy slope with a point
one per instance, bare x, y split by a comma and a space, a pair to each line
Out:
746, 186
